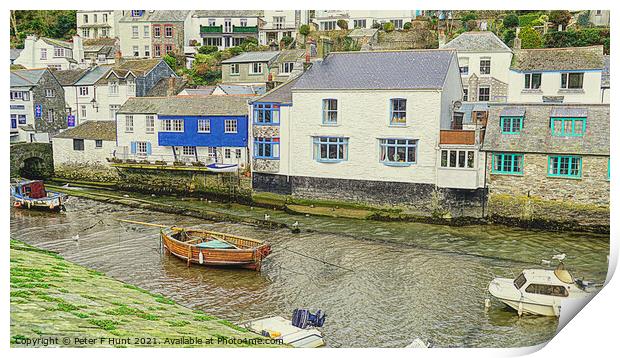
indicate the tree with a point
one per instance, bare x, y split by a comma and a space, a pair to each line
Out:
530, 38
287, 40
388, 27
509, 36
560, 17
583, 20
304, 30
511, 21
171, 60
407, 26
342, 24
207, 49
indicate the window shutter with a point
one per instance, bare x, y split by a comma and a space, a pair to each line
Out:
133, 147
148, 148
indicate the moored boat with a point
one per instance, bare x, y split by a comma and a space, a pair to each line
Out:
212, 248
540, 292
31, 194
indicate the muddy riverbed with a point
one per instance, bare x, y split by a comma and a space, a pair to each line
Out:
386, 284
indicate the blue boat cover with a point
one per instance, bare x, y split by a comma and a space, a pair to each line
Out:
215, 244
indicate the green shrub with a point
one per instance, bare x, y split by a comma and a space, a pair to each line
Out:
304, 30
526, 20
560, 17
207, 49
530, 38
342, 24
388, 27
511, 21
287, 40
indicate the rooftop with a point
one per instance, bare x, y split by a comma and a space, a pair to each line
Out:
188, 105
228, 13
281, 94
557, 59
26, 78
477, 41
15, 53
57, 43
96, 130
93, 75
167, 86
535, 137
258, 56
157, 15
69, 77
137, 67
411, 69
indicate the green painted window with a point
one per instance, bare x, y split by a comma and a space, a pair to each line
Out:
507, 163
567, 166
511, 125
568, 127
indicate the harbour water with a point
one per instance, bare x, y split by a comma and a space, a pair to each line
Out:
382, 284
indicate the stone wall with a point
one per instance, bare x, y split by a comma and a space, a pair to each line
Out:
94, 172
55, 103
219, 185
540, 200
498, 89
36, 153
422, 199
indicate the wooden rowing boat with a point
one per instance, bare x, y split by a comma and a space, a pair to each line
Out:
214, 248
31, 194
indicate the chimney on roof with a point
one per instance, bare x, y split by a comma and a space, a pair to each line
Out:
117, 57
170, 90
441, 38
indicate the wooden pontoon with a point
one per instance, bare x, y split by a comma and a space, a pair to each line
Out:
214, 248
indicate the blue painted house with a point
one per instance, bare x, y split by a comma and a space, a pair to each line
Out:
188, 129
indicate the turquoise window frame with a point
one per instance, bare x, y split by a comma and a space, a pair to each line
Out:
569, 159
329, 142
572, 133
273, 109
512, 129
502, 158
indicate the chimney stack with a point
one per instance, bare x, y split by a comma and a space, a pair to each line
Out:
170, 91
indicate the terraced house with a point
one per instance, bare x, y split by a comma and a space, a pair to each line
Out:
153, 33
560, 75
558, 153
93, 24
55, 54
223, 28
183, 129
37, 106
484, 60
367, 126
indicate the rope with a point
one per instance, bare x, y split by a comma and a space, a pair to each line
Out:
315, 259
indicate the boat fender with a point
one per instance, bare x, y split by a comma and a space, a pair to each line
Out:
200, 257
17, 204
520, 310
28, 204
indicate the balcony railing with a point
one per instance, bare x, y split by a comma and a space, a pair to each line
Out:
457, 137
211, 29
244, 29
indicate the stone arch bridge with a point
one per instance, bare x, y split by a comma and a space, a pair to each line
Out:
32, 160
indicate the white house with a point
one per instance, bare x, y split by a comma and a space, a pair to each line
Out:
565, 75
275, 24
51, 53
328, 19
365, 126
484, 61
92, 24
91, 142
223, 28
188, 129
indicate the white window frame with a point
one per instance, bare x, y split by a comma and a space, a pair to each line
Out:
253, 68
83, 91
234, 69
50, 93
135, 32
147, 31
128, 123
287, 67
83, 111
204, 126
230, 126
149, 124
172, 125
44, 54
188, 150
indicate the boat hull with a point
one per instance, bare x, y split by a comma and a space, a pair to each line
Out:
248, 258
54, 202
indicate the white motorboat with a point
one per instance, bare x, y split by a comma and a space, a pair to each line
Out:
539, 291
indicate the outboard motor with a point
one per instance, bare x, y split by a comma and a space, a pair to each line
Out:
302, 318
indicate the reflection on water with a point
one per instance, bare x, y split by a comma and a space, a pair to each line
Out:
389, 282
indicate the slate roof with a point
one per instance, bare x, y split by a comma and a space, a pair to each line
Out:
15, 53
477, 41
137, 67
93, 75
26, 78
606, 74
535, 137
512, 112
557, 59
107, 50
93, 129
258, 56
69, 77
188, 105
240, 89
162, 87
157, 15
57, 43
228, 13
411, 69
290, 55
100, 41
281, 94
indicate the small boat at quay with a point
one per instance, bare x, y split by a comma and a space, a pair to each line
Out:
212, 248
31, 194
539, 291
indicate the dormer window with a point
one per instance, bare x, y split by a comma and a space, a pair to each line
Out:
511, 125
137, 13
